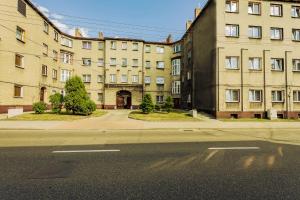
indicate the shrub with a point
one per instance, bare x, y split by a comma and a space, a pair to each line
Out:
56, 101
157, 107
39, 107
169, 105
77, 100
147, 105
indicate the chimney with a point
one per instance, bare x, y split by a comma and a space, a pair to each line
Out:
188, 24
197, 12
169, 39
78, 33
101, 36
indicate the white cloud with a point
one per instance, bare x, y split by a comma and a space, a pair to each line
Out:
57, 20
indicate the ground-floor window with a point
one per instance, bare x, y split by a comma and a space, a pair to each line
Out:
232, 95
18, 91
176, 87
159, 99
255, 96
296, 96
277, 96
100, 97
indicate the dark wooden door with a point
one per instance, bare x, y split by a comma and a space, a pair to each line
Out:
42, 95
120, 102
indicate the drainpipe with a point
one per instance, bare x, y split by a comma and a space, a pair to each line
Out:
287, 93
242, 79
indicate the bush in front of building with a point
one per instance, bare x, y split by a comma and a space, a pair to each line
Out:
77, 99
157, 107
56, 101
147, 105
169, 105
39, 107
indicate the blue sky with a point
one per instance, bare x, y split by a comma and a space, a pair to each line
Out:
155, 18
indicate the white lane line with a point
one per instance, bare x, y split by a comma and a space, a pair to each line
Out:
87, 151
234, 148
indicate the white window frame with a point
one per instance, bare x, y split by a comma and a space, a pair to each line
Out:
255, 63
276, 10
113, 62
147, 80
65, 75
255, 32
254, 8
124, 45
148, 48
113, 78
276, 33
66, 42
66, 57
296, 65
232, 6
87, 78
135, 62
100, 78
296, 34
230, 96
296, 96
295, 11
135, 79
20, 34
159, 99
100, 62
176, 87
177, 48
86, 45
160, 80
277, 64
160, 65
124, 62
232, 62
160, 50
255, 96
232, 30
176, 67
113, 45
44, 70
135, 46
275, 96
46, 27
124, 78
54, 74
87, 62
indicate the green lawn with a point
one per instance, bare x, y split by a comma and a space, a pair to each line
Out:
162, 116
48, 116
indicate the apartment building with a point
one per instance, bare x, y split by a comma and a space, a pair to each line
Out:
244, 59
37, 58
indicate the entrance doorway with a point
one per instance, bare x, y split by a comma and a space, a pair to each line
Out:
42, 94
124, 100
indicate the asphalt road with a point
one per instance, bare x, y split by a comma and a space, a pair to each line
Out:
152, 171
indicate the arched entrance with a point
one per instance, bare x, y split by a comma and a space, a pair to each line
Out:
42, 94
124, 100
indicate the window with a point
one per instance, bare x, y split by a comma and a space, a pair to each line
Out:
254, 32
296, 11
277, 64
135, 46
124, 78
100, 62
176, 87
19, 61
148, 80
124, 46
100, 45
18, 91
296, 64
113, 62
46, 27
296, 34
177, 48
113, 45
100, 97
124, 62
160, 80
232, 96
135, 79
232, 62
188, 76
100, 79
66, 57
231, 6
148, 49
55, 55
160, 64
255, 96
45, 49
176, 67
160, 50
159, 99
255, 63
135, 63
232, 30
20, 34
113, 78
66, 42
189, 98
276, 10
277, 96
148, 64
276, 33
86, 78
254, 8
22, 7
296, 96
44, 70
54, 74
87, 45
65, 75
86, 61
56, 36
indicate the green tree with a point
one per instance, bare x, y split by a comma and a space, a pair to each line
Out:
77, 100
39, 107
169, 105
56, 101
147, 105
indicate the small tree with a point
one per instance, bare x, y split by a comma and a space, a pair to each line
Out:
147, 105
169, 105
56, 101
39, 107
77, 100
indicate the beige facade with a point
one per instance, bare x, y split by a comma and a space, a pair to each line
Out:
249, 62
36, 59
